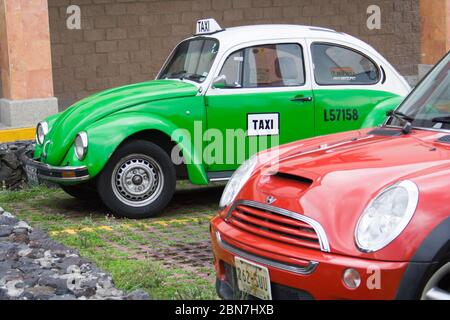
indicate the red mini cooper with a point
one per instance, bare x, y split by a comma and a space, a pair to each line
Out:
357, 215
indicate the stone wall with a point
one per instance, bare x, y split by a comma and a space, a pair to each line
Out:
12, 175
126, 41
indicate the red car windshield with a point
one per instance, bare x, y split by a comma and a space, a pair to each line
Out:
428, 106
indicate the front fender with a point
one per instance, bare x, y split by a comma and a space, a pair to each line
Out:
431, 252
50, 121
378, 114
106, 135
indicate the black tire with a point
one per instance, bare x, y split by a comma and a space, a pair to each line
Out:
138, 181
438, 279
84, 191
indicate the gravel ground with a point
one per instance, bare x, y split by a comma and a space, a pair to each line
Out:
32, 266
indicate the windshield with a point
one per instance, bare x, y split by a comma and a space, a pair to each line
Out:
191, 60
428, 106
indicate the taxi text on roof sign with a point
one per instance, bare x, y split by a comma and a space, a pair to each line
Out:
206, 26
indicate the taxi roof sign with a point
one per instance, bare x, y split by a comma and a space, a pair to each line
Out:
207, 26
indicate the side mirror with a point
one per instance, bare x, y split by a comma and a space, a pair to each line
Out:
219, 82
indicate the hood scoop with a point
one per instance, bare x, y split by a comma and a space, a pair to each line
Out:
306, 182
385, 132
444, 139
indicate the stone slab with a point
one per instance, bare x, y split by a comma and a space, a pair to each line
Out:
26, 113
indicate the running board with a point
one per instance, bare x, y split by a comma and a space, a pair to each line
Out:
215, 176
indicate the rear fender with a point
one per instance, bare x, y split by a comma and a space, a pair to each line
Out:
379, 113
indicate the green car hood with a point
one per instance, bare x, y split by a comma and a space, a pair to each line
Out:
93, 108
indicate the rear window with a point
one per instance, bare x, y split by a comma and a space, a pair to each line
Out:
338, 65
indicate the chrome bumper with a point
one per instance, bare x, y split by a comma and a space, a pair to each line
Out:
36, 169
310, 268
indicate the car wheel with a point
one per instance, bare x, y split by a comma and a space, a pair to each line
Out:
84, 191
438, 286
138, 181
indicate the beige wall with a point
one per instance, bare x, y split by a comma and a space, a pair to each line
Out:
1, 87
4, 59
125, 41
25, 52
435, 21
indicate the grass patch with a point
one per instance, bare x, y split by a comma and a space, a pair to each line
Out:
27, 193
132, 251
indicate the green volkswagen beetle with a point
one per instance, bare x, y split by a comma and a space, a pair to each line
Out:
221, 96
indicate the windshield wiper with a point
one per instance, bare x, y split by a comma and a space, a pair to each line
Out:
401, 116
194, 76
176, 75
404, 119
445, 119
185, 75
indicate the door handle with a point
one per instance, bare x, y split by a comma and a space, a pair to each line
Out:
301, 99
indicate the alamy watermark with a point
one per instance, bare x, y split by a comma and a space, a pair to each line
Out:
227, 146
374, 19
73, 21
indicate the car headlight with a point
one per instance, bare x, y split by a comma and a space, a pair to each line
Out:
41, 132
387, 216
237, 181
81, 145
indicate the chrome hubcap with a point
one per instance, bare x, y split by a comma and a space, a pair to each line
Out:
438, 287
137, 180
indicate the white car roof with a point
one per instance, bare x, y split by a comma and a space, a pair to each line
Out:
239, 36
235, 35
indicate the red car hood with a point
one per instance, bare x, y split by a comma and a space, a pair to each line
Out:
340, 174
381, 160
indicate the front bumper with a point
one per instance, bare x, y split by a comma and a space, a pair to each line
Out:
53, 173
320, 277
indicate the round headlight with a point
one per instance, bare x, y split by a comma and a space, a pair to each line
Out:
387, 216
41, 132
81, 145
237, 181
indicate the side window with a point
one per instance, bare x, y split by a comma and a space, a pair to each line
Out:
277, 65
232, 69
336, 65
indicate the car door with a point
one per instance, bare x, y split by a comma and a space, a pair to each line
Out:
266, 94
347, 84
